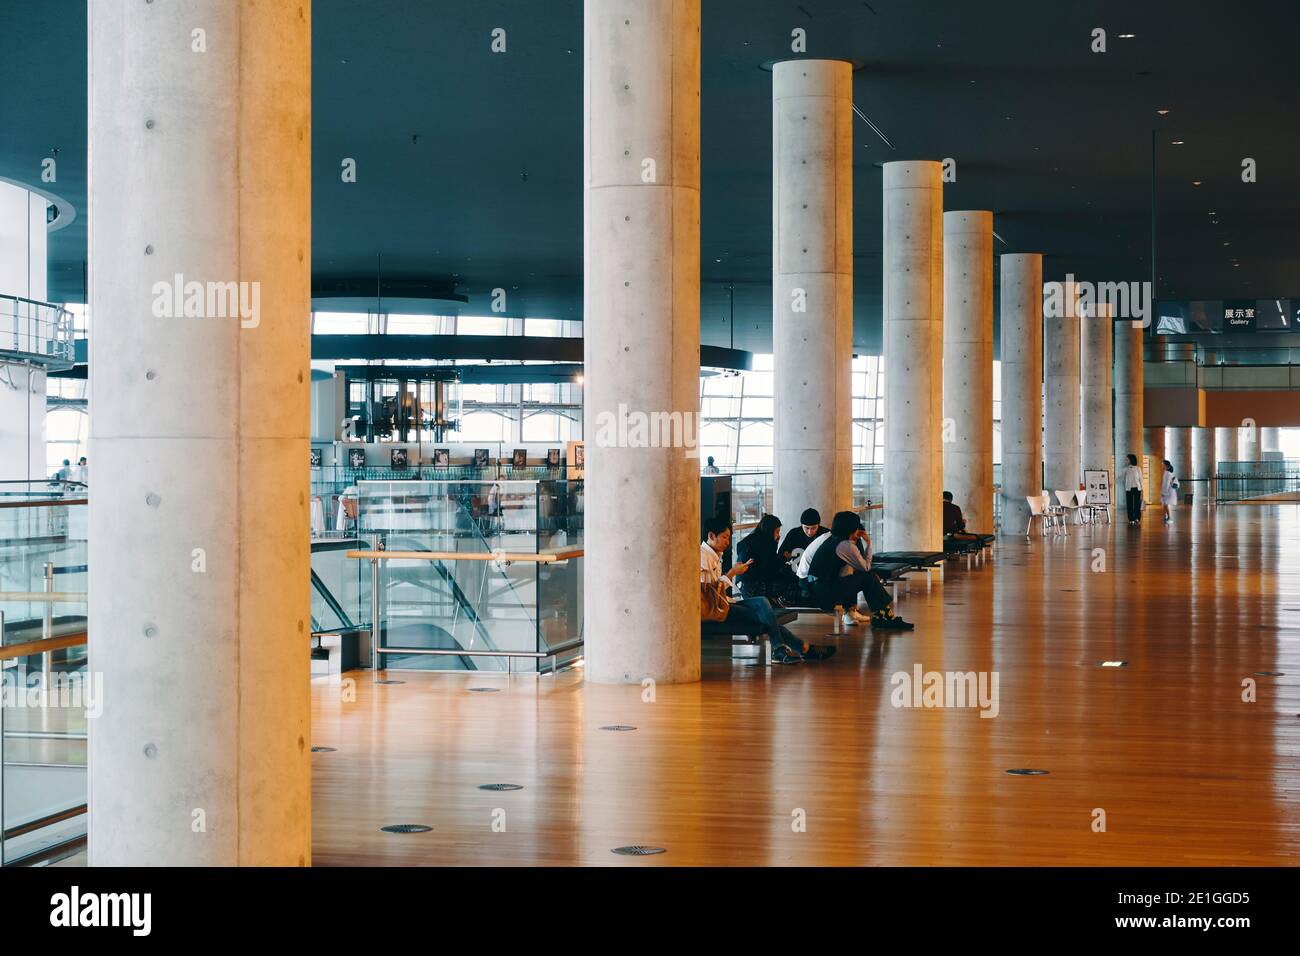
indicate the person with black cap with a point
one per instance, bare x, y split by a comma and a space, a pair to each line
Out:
798, 539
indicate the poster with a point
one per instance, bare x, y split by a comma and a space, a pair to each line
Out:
480, 457
316, 458
442, 458
553, 458
356, 458
397, 457
1097, 484
521, 458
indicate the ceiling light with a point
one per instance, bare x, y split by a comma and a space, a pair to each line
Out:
1127, 36
1177, 142
1163, 112
1196, 182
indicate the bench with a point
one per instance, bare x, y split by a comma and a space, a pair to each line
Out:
749, 634
925, 561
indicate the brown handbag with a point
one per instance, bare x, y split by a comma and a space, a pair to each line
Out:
713, 601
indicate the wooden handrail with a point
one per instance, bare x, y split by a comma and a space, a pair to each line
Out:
41, 645
49, 597
545, 557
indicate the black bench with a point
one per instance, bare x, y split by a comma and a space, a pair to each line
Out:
925, 561
747, 633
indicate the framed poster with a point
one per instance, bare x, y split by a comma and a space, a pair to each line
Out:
480, 457
442, 458
317, 458
520, 459
356, 458
1097, 484
552, 458
577, 459
397, 458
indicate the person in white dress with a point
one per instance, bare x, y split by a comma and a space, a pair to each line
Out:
1168, 489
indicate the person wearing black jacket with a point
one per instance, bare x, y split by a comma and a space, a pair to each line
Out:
842, 567
810, 527
769, 576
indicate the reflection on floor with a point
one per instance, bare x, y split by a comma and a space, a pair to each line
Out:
1157, 762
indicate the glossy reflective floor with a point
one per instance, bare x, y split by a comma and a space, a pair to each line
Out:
813, 764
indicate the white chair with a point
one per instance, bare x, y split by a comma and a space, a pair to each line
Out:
1069, 507
1055, 513
1037, 509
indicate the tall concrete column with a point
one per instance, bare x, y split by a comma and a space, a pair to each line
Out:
1248, 443
1022, 386
1061, 379
642, 340
812, 286
1153, 444
1096, 417
1270, 439
1178, 449
1128, 393
199, 603
1225, 447
1203, 464
913, 311
968, 363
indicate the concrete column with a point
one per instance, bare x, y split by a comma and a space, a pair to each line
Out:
968, 363
1248, 443
1096, 416
913, 311
199, 603
1225, 447
1178, 449
812, 286
1203, 464
1128, 393
1270, 439
23, 244
1022, 386
1153, 444
642, 292
1061, 379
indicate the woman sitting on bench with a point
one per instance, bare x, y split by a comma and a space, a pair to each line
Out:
841, 568
768, 575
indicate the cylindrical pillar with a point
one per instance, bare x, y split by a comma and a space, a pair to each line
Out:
968, 364
812, 286
1178, 449
1021, 344
1270, 439
913, 311
1128, 394
642, 292
1096, 417
1153, 444
1248, 443
1225, 448
200, 273
1061, 380
1203, 464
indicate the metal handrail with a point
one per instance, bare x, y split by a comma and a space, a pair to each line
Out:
542, 557
41, 645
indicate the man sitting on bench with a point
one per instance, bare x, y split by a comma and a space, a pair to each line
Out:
954, 523
840, 568
786, 648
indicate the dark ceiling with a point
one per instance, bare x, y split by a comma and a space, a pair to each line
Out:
470, 163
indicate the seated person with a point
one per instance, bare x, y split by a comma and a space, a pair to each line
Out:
840, 569
786, 648
768, 576
954, 524
797, 541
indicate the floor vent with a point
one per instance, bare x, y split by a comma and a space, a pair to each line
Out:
323, 750
500, 786
406, 828
1026, 772
638, 850
618, 727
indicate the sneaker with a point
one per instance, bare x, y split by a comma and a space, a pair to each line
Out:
848, 620
786, 655
894, 623
859, 617
819, 653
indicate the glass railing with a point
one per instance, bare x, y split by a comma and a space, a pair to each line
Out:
48, 695
1243, 480
37, 330
470, 575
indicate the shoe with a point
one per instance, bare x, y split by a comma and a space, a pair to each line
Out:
816, 653
848, 620
785, 655
859, 617
894, 623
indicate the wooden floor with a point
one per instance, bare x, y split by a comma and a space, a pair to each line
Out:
1186, 772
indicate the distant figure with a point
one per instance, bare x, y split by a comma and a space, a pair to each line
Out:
1168, 489
1133, 490
79, 472
954, 522
711, 468
62, 473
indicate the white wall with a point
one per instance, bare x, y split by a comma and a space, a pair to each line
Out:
22, 422
23, 234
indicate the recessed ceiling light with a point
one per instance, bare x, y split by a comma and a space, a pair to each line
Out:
1227, 243
1163, 112
1127, 36
1196, 182
1177, 142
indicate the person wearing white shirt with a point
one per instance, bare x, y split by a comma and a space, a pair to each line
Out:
1168, 489
1133, 490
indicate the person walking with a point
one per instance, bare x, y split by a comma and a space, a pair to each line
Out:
1168, 489
1133, 490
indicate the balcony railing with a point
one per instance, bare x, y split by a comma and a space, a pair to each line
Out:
36, 331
